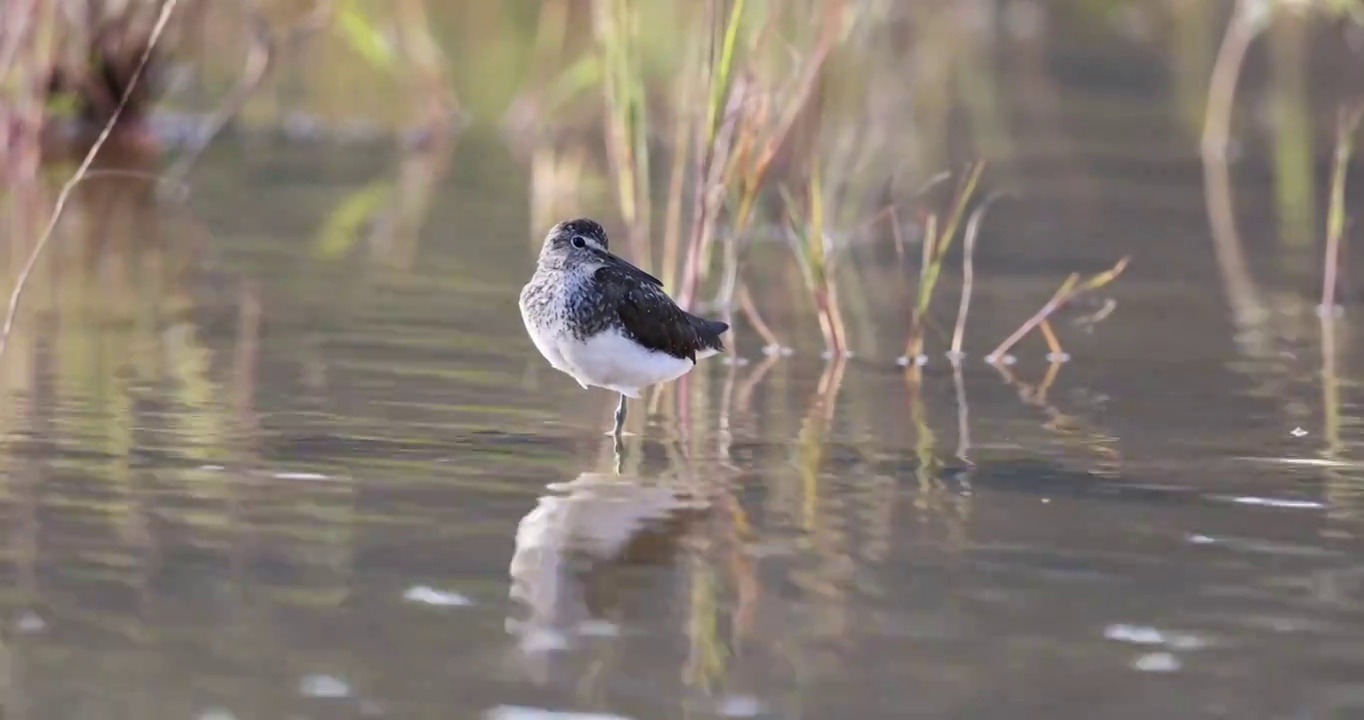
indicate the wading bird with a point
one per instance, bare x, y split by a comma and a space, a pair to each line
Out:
607, 323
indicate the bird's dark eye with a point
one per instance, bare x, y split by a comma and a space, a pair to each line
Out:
579, 242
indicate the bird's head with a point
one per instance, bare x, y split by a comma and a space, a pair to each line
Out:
581, 245
576, 242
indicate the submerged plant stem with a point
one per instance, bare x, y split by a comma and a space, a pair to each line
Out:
968, 271
1053, 342
936, 243
1335, 218
1240, 287
1064, 294
750, 310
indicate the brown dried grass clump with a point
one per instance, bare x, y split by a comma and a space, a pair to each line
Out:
65, 67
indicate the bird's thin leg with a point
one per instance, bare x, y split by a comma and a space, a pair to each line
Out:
620, 417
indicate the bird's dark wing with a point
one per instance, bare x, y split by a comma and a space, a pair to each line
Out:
628, 268
653, 320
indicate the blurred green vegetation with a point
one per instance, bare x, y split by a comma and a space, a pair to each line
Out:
601, 98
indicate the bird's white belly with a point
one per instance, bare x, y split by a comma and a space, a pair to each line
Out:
612, 361
547, 342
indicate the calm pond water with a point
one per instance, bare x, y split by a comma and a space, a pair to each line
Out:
246, 482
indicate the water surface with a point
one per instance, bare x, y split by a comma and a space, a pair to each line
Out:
244, 478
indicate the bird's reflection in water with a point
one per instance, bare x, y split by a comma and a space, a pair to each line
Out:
571, 544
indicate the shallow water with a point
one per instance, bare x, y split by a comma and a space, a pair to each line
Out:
243, 481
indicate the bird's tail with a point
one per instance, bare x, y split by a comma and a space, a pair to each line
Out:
709, 332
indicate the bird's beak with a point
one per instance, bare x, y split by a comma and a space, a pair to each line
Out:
623, 264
